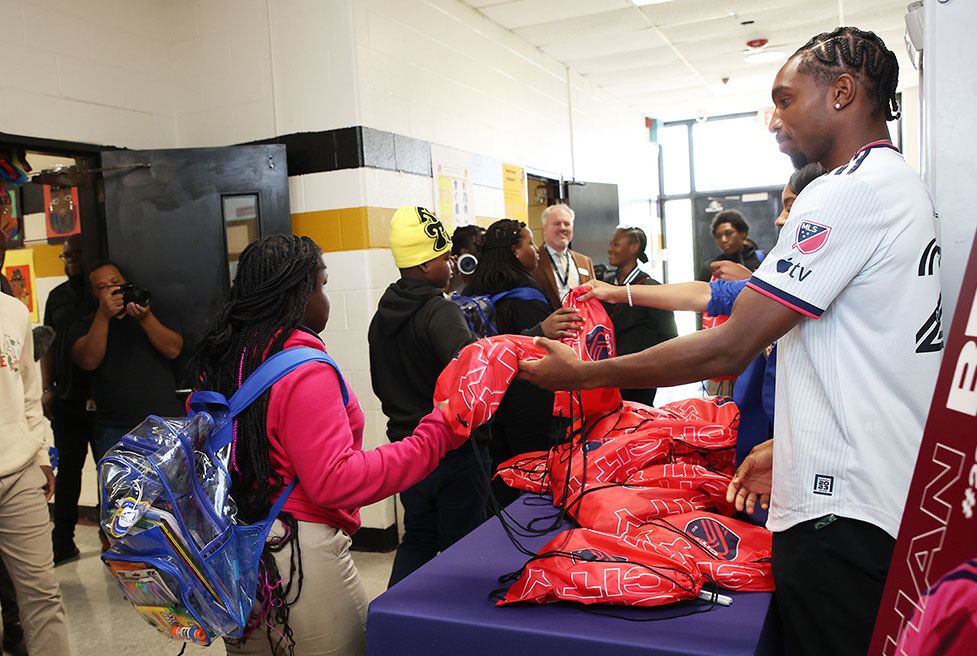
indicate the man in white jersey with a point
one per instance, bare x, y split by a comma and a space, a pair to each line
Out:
852, 291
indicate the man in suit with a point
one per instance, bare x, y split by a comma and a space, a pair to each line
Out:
560, 269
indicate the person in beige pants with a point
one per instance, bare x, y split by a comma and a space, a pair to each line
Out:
26, 483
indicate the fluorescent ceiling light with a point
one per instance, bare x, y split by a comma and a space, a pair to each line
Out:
642, 3
764, 57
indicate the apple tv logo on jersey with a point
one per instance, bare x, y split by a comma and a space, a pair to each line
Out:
788, 265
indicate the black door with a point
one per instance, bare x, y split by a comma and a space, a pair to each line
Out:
760, 208
596, 214
169, 225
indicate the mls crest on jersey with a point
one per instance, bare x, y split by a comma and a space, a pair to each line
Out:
811, 237
714, 535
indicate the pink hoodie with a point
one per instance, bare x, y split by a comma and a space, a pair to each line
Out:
312, 435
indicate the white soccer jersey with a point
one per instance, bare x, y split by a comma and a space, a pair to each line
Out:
858, 256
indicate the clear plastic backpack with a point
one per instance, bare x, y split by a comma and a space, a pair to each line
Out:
179, 553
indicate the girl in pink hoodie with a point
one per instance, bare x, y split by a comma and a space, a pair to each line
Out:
310, 593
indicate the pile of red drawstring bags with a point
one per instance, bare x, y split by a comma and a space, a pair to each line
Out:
646, 485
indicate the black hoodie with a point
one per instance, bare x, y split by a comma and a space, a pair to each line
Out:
415, 333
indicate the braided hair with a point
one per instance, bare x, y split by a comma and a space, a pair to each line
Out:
861, 53
499, 269
267, 301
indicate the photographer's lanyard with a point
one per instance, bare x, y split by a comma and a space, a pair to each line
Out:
565, 278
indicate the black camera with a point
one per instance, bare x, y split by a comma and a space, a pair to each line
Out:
132, 294
467, 264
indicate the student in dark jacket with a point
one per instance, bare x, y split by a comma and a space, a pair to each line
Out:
635, 328
730, 230
524, 421
415, 332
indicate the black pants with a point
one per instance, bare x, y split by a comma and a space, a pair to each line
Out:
646, 396
10, 610
829, 574
73, 435
442, 508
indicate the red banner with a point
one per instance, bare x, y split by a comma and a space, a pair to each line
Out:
930, 598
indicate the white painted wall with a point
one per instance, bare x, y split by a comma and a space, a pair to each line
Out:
91, 72
948, 112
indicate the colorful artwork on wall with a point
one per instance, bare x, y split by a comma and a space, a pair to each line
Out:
61, 211
10, 217
18, 267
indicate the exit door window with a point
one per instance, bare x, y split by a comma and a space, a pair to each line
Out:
240, 213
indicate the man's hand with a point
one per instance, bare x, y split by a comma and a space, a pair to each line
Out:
110, 305
49, 485
752, 480
47, 404
560, 368
565, 322
726, 270
138, 312
602, 291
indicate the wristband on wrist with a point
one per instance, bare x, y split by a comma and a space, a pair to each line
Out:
628, 287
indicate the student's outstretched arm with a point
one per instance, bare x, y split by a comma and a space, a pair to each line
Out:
690, 296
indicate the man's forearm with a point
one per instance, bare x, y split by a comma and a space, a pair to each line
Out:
166, 341
681, 360
89, 351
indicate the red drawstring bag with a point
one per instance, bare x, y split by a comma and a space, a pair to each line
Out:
685, 476
474, 382
594, 342
620, 508
714, 410
616, 444
655, 491
709, 438
526, 471
592, 568
735, 554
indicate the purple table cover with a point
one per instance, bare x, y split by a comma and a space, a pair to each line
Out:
444, 608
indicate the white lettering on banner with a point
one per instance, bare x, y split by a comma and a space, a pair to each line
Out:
963, 395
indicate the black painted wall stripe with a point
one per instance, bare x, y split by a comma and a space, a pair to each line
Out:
360, 146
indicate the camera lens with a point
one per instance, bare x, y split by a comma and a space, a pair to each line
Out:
467, 264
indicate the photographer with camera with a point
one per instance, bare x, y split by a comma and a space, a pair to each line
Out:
129, 352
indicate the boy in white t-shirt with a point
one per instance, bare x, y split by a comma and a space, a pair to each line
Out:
852, 292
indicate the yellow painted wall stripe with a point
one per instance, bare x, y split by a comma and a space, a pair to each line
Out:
352, 228
46, 260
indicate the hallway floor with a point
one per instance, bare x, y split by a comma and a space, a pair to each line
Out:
101, 622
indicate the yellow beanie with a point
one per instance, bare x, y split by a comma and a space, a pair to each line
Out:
416, 237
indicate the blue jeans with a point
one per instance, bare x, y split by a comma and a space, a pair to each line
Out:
442, 508
105, 439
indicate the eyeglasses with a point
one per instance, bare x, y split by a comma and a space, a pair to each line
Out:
70, 255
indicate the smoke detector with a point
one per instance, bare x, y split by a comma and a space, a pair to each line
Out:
757, 53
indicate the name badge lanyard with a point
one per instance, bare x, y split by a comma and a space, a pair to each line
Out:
565, 278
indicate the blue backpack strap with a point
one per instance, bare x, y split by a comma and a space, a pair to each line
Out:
283, 497
270, 371
522, 293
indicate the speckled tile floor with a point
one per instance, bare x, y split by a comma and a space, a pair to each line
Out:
102, 623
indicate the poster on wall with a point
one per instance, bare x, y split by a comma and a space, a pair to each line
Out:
453, 199
61, 211
930, 598
18, 267
10, 217
514, 187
